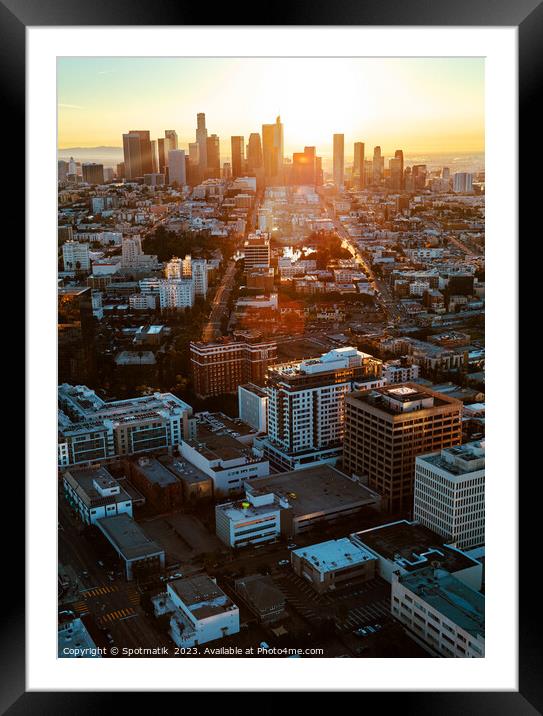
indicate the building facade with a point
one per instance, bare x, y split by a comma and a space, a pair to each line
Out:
450, 493
385, 430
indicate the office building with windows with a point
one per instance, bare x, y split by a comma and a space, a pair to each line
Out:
450, 493
91, 429
385, 430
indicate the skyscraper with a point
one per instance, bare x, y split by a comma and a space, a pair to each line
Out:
272, 151
163, 147
396, 174
398, 154
201, 139
358, 164
138, 158
213, 156
237, 156
176, 165
339, 161
304, 167
171, 134
378, 166
254, 152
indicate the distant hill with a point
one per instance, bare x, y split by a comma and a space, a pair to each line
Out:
108, 156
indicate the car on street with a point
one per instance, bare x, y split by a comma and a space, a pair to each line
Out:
283, 562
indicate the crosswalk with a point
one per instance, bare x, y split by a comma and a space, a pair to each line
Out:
100, 591
116, 616
368, 614
81, 606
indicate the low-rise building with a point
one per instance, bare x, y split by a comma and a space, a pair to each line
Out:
290, 503
162, 490
407, 547
140, 555
226, 460
91, 429
94, 494
441, 611
262, 597
329, 565
200, 611
75, 642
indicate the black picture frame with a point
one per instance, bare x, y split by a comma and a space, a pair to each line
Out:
527, 16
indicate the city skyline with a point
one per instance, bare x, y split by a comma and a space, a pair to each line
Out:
422, 105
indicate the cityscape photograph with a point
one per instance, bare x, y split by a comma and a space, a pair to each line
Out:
271, 357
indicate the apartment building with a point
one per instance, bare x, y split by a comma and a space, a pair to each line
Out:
91, 429
385, 430
450, 493
219, 368
306, 401
256, 250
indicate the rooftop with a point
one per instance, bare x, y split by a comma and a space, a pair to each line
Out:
412, 546
399, 399
334, 554
322, 488
202, 596
450, 597
183, 469
128, 537
219, 446
154, 471
458, 460
95, 486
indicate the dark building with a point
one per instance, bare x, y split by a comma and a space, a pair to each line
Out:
385, 430
76, 364
213, 157
238, 156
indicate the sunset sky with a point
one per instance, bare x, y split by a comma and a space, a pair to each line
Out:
419, 105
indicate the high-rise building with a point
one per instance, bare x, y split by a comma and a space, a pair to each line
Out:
272, 151
201, 139
462, 183
450, 493
306, 402
396, 173
418, 175
358, 165
254, 152
176, 293
238, 149
75, 256
62, 172
176, 167
398, 154
171, 134
163, 147
256, 250
378, 166
214, 157
199, 276
154, 156
304, 167
385, 430
92, 173
339, 161
219, 368
138, 158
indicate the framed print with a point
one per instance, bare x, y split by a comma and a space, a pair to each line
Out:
257, 356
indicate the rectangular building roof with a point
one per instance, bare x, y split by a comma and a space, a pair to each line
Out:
127, 537
322, 488
449, 596
334, 554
